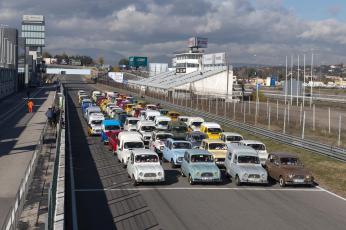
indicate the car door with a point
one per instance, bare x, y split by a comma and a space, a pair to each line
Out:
228, 161
184, 164
165, 150
130, 165
233, 165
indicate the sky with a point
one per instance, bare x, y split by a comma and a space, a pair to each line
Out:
249, 31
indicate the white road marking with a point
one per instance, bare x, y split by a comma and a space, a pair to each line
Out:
331, 193
201, 188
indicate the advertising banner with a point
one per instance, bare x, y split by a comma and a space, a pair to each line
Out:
116, 76
220, 58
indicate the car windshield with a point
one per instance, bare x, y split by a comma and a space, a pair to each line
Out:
234, 138
248, 160
165, 123
181, 145
183, 119
163, 112
201, 158
214, 130
196, 123
198, 137
179, 128
217, 146
290, 161
133, 145
151, 118
257, 147
133, 122
163, 136
112, 127
148, 128
146, 158
96, 122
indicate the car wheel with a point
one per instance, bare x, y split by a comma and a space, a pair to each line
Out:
190, 180
182, 173
237, 180
282, 182
172, 164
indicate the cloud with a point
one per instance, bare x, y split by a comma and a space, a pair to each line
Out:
334, 10
158, 28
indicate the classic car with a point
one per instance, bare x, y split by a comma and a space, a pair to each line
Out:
94, 94
144, 166
131, 124
288, 170
229, 137
161, 122
157, 141
151, 114
259, 147
82, 97
115, 111
128, 108
243, 165
107, 128
183, 119
121, 117
90, 110
150, 107
178, 129
216, 147
128, 141
94, 124
174, 151
196, 138
194, 123
211, 129
146, 128
199, 166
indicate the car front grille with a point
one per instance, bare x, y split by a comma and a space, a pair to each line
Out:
207, 174
150, 175
254, 176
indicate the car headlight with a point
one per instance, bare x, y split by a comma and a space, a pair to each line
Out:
140, 174
263, 176
290, 176
161, 147
246, 175
307, 176
159, 173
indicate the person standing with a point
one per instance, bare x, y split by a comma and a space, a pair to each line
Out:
30, 105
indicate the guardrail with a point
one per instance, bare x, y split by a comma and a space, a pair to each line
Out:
323, 149
15, 211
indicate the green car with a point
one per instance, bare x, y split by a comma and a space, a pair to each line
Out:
178, 129
199, 166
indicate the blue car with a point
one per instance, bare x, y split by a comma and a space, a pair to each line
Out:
174, 151
109, 127
199, 166
85, 105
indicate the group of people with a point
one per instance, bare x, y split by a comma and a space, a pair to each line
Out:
53, 115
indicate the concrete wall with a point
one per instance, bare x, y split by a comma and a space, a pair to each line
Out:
69, 71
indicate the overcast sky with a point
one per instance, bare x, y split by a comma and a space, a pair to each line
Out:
250, 31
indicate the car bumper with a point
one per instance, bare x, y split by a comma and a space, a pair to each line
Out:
150, 180
299, 182
254, 181
207, 180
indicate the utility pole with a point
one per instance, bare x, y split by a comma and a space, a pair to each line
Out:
298, 88
304, 84
291, 79
312, 81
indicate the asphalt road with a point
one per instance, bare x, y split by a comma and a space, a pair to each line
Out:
105, 198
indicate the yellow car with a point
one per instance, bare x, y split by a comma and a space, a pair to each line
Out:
216, 147
104, 104
211, 129
173, 115
128, 108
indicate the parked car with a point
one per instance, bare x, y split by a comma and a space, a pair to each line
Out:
174, 150
288, 169
243, 165
150, 107
144, 166
194, 123
128, 141
199, 166
196, 138
109, 127
115, 111
131, 124
259, 147
94, 94
211, 129
216, 147
178, 129
230, 137
82, 97
94, 124
157, 141
90, 110
146, 128
161, 122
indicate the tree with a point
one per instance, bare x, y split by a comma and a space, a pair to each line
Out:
46, 55
123, 61
101, 60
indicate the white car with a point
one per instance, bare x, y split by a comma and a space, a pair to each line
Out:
144, 166
157, 141
131, 124
94, 124
229, 137
128, 141
194, 123
146, 128
151, 114
161, 122
183, 119
259, 147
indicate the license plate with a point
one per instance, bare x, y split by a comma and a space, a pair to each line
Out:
206, 178
298, 180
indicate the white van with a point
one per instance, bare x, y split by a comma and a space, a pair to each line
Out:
127, 142
94, 124
151, 114
259, 147
161, 122
146, 128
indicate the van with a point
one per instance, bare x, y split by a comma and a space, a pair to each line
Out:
146, 128
229, 137
161, 122
127, 142
211, 129
90, 110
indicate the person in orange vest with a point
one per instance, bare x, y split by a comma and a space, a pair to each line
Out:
30, 105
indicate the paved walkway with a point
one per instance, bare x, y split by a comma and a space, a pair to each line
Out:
15, 159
